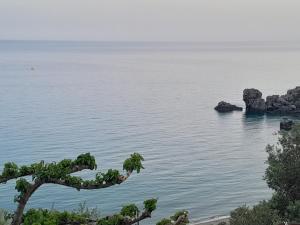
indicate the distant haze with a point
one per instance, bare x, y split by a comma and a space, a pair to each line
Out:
151, 20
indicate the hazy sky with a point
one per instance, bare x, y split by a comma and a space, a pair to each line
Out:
151, 20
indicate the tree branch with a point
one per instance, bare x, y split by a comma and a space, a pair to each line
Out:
87, 185
73, 169
143, 216
78, 168
5, 179
180, 219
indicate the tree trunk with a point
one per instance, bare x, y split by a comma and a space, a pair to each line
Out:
18, 217
17, 220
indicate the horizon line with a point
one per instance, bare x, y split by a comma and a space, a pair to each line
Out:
148, 41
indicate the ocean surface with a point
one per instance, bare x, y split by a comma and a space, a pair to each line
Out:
61, 99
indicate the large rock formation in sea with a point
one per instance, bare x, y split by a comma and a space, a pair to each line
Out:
254, 101
274, 104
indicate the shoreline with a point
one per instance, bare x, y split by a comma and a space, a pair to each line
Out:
212, 221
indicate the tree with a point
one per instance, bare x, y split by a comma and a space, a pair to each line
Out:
283, 176
283, 172
61, 174
261, 214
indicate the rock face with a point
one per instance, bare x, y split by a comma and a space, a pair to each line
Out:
254, 101
227, 107
274, 104
286, 124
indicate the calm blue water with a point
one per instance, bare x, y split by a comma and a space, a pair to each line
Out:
112, 99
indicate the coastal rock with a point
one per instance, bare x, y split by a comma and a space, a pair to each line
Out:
254, 101
276, 104
293, 95
227, 107
286, 124
285, 104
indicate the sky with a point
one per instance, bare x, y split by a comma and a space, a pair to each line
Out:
150, 20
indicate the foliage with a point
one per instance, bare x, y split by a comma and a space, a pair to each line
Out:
280, 203
60, 173
84, 211
46, 172
175, 217
52, 217
134, 163
4, 218
150, 205
113, 220
283, 176
10, 169
293, 211
260, 214
164, 221
283, 172
130, 210
181, 213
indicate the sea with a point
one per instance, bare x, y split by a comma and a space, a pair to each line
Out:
59, 99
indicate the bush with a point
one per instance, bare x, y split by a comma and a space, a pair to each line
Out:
52, 217
293, 211
261, 214
282, 174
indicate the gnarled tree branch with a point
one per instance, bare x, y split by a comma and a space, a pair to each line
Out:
59, 173
87, 185
146, 214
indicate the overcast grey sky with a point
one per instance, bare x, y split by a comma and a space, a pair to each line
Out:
151, 20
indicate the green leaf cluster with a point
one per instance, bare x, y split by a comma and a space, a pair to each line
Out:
60, 173
181, 213
164, 221
150, 205
21, 186
44, 171
134, 163
52, 217
175, 217
130, 210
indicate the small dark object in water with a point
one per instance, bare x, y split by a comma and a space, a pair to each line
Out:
286, 124
227, 107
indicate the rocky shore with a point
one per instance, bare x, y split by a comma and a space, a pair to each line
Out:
287, 104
